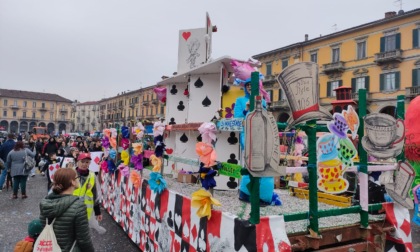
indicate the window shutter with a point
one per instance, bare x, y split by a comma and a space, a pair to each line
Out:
382, 81
353, 85
328, 88
367, 84
415, 38
340, 83
397, 41
397, 80
414, 83
383, 44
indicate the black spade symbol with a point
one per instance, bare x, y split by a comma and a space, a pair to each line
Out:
198, 83
199, 139
184, 138
232, 184
174, 90
181, 106
169, 219
232, 159
232, 139
172, 121
206, 102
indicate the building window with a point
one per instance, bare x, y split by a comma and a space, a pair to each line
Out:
33, 115
331, 86
361, 50
14, 114
15, 103
33, 104
268, 69
43, 105
51, 115
5, 113
63, 117
416, 38
25, 104
63, 107
335, 55
24, 114
359, 83
390, 81
52, 105
314, 57
42, 116
4, 102
391, 42
284, 63
416, 77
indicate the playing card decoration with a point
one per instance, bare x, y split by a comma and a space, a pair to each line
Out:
191, 49
96, 159
206, 102
52, 168
198, 83
336, 152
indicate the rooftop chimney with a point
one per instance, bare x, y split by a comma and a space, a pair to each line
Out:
306, 37
390, 14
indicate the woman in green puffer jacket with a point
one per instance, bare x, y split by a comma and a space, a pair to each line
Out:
71, 223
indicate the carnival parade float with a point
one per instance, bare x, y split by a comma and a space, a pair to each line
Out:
206, 149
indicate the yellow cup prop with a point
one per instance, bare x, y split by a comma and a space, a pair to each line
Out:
330, 179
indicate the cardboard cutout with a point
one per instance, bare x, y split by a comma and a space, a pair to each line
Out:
300, 84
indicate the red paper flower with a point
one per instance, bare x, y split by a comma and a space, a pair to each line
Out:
186, 92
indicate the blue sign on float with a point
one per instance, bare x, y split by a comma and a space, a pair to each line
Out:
148, 129
230, 124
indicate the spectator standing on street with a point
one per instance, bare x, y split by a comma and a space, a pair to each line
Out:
97, 145
87, 192
27, 244
14, 163
50, 147
71, 227
6, 147
82, 148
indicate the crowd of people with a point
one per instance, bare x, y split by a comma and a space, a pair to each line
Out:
72, 202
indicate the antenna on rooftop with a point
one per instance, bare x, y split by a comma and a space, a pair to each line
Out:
399, 2
334, 27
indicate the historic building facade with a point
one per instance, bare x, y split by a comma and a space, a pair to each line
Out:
381, 56
86, 116
127, 108
23, 110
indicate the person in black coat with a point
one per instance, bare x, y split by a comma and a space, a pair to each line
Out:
50, 147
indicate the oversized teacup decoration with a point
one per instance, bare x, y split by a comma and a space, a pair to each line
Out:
300, 84
381, 129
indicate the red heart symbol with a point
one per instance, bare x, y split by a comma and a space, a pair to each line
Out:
177, 246
169, 151
186, 35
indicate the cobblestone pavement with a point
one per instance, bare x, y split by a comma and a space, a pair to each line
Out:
16, 214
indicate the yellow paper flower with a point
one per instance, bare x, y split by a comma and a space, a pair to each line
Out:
125, 157
138, 148
203, 200
156, 162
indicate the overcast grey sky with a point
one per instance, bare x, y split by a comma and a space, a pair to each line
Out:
93, 49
